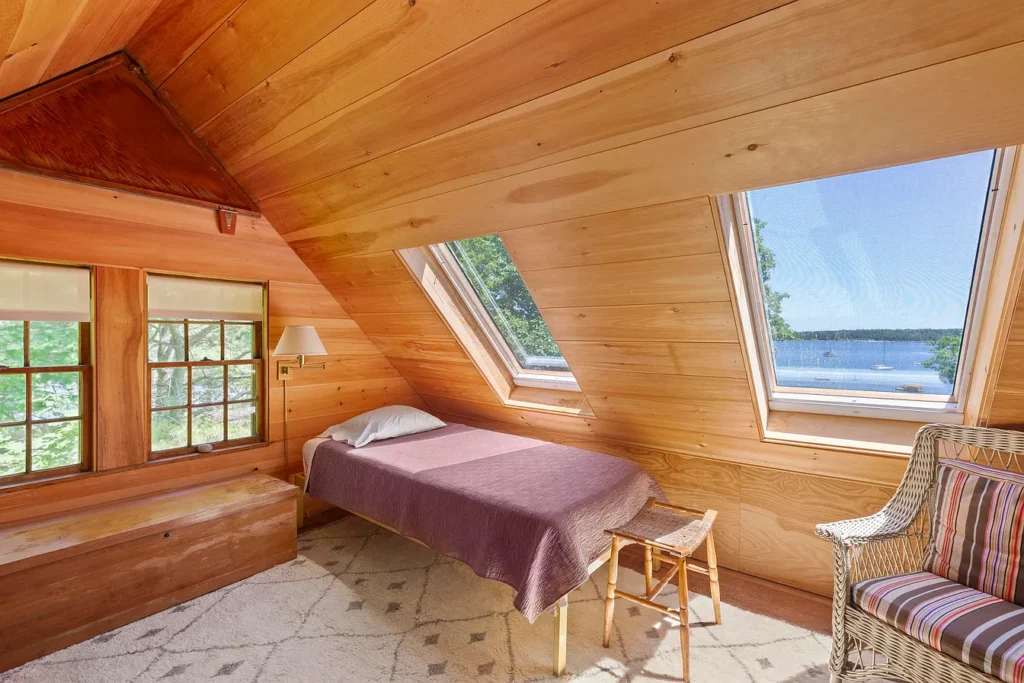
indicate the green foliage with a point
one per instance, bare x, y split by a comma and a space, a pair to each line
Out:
11, 350
55, 395
777, 325
497, 282
946, 352
924, 334
169, 428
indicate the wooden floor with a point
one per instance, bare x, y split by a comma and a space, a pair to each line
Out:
749, 593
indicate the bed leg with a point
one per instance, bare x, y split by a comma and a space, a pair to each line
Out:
561, 634
300, 500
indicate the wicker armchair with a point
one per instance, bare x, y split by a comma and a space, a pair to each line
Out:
895, 541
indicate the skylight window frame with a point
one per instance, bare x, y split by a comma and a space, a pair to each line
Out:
523, 377
947, 409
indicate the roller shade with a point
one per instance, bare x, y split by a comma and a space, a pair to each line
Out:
31, 291
182, 297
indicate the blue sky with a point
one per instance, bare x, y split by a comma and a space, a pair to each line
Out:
893, 248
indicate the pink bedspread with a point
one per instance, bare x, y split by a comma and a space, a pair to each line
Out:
528, 513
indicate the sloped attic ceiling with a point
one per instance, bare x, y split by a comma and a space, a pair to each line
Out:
600, 135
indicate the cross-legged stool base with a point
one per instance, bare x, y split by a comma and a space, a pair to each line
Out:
665, 535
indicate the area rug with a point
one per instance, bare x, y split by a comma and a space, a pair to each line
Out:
361, 604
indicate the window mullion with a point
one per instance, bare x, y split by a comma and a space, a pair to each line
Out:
224, 371
188, 439
28, 420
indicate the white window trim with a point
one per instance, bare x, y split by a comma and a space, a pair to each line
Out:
879, 405
520, 376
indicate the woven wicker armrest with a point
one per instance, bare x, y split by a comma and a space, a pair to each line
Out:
880, 526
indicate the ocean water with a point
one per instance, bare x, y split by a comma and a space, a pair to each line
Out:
805, 364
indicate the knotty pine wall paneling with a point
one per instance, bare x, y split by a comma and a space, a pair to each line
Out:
362, 130
797, 51
119, 369
123, 235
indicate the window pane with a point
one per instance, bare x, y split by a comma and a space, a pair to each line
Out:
166, 342
12, 343
208, 384
12, 398
207, 424
56, 444
866, 278
204, 341
169, 429
53, 343
238, 341
241, 420
241, 382
170, 387
12, 450
55, 395
487, 265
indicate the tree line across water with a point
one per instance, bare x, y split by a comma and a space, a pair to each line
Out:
906, 335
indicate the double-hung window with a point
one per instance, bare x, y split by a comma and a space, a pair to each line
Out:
45, 370
205, 348
488, 282
865, 289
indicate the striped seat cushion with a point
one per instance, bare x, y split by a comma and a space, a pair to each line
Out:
982, 631
978, 529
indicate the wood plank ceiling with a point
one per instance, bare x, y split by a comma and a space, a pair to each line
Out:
365, 126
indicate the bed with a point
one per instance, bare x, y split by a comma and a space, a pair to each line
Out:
528, 513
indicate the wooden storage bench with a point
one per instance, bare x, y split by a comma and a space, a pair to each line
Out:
66, 579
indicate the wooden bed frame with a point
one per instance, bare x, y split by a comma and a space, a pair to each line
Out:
561, 609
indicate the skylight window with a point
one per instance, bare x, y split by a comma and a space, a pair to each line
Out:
863, 287
482, 270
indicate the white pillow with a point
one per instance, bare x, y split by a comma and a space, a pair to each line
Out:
383, 423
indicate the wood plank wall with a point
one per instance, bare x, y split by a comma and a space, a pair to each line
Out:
368, 126
664, 377
568, 120
121, 234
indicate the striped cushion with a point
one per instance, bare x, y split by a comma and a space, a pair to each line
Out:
982, 631
978, 529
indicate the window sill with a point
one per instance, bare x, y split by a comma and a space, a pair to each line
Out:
63, 476
836, 432
156, 457
549, 401
20, 480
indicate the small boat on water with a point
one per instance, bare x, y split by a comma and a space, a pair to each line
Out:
911, 388
882, 365
829, 354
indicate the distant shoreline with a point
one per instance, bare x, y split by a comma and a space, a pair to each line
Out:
904, 335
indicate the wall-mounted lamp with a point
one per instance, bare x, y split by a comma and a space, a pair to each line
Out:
301, 341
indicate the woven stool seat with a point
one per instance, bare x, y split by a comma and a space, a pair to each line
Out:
666, 529
675, 534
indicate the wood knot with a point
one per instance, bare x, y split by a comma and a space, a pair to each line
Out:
412, 3
752, 146
674, 57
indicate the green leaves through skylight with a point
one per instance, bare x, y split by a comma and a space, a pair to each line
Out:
490, 271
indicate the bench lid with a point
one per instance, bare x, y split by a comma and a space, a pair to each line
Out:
35, 542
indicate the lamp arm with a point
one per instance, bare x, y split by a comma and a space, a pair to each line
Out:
284, 366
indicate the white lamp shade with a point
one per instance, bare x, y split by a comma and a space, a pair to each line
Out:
300, 340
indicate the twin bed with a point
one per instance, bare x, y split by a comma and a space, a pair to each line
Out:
528, 513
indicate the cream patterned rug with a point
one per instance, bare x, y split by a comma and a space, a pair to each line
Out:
362, 604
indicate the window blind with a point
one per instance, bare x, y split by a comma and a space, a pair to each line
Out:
32, 291
195, 299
